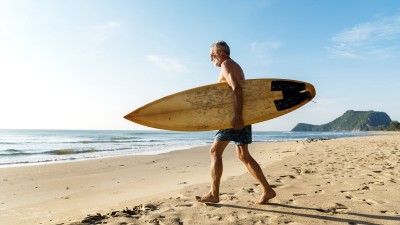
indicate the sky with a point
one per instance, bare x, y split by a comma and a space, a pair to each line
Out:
85, 64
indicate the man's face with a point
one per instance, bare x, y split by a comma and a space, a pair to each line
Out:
216, 56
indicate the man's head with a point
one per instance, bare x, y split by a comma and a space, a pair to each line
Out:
219, 52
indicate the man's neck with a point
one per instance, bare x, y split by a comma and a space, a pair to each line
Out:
227, 58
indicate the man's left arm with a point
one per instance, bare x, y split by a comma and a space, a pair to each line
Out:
237, 95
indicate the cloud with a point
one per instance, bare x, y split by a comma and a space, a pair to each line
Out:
369, 39
262, 49
107, 26
102, 33
265, 46
13, 22
166, 63
6, 29
8, 22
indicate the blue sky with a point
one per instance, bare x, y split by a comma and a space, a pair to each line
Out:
85, 64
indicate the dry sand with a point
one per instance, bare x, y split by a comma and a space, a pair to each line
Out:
341, 181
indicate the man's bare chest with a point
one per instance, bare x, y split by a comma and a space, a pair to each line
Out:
221, 78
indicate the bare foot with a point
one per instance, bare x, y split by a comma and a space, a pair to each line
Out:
266, 196
208, 198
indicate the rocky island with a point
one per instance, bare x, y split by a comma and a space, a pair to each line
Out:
352, 121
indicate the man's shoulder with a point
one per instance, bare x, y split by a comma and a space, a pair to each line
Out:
229, 63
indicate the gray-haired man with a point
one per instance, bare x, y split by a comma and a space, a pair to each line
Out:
232, 74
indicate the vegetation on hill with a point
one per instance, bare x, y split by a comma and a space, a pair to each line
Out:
394, 126
354, 121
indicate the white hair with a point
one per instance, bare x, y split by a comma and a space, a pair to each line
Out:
223, 46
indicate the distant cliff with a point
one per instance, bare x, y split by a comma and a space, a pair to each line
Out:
351, 121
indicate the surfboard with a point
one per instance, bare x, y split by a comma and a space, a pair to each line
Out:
211, 107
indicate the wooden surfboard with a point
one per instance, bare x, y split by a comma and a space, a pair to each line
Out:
210, 107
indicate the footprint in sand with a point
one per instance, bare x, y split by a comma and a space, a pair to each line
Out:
228, 196
259, 222
232, 198
184, 205
370, 201
282, 178
276, 185
319, 192
246, 190
373, 202
390, 212
286, 221
250, 190
290, 202
350, 197
337, 208
299, 194
213, 217
167, 220
365, 188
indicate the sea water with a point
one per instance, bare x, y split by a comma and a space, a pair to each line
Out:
28, 147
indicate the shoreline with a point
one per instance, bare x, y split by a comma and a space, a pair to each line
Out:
159, 152
4, 166
64, 193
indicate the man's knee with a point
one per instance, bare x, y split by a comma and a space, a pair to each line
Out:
243, 154
215, 152
217, 149
243, 157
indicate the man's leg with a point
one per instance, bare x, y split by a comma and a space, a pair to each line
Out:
255, 170
216, 151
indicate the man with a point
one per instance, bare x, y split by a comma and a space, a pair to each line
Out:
232, 74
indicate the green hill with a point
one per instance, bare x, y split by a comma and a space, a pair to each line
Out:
351, 121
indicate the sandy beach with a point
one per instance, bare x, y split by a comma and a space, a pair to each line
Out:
339, 181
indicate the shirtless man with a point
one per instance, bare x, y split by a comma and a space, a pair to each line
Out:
232, 73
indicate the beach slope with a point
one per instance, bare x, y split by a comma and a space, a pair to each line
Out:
340, 181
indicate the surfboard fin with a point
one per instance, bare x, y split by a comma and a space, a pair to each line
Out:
308, 93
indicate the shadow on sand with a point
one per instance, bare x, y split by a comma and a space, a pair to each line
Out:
315, 213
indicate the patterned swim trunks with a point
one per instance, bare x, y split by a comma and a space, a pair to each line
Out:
240, 137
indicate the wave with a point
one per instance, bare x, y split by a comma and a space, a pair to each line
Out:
110, 141
72, 151
124, 138
81, 151
13, 152
7, 143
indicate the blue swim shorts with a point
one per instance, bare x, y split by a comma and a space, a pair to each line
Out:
240, 137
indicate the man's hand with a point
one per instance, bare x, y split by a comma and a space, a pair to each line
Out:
237, 123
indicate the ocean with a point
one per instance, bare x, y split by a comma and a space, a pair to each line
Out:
28, 147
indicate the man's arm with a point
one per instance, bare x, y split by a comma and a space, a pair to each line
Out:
228, 70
